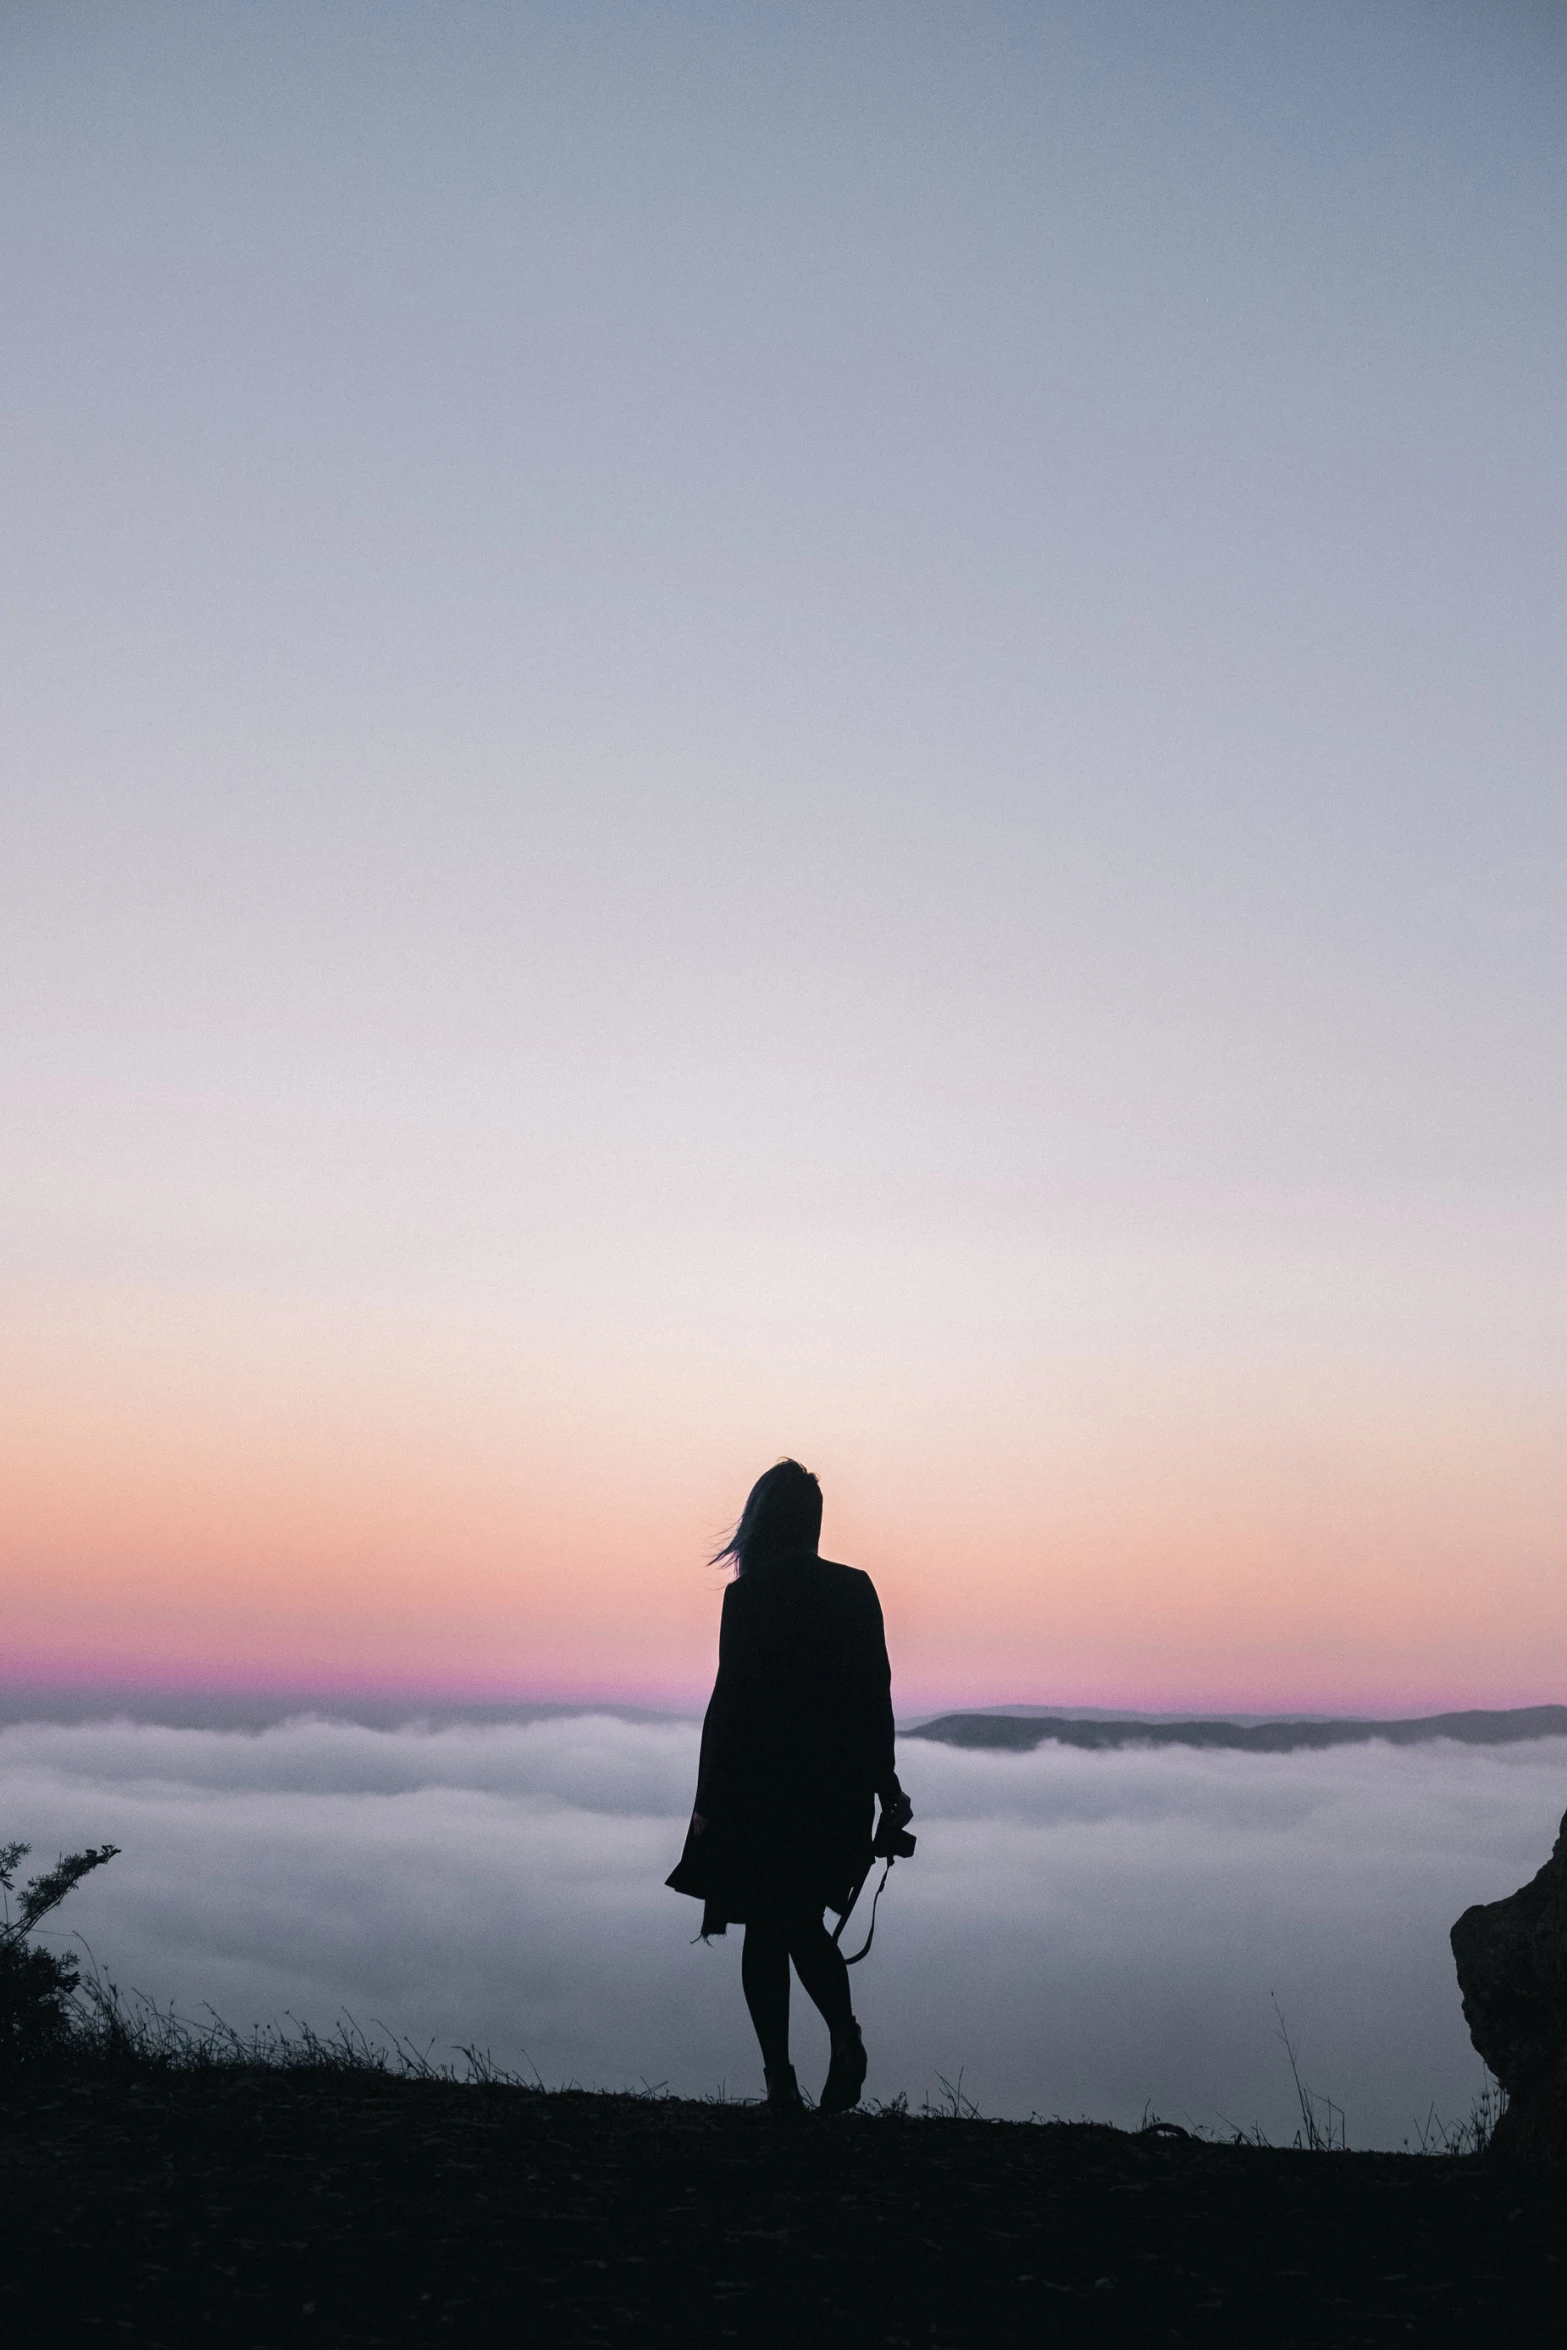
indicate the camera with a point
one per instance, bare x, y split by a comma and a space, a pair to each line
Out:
892, 1840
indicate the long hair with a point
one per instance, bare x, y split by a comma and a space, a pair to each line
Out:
783, 1512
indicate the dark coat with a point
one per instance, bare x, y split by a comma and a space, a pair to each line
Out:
797, 1743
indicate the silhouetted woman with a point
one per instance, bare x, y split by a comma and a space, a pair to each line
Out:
797, 1741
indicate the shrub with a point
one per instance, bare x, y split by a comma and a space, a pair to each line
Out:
36, 1984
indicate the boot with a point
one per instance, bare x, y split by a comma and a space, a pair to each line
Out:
783, 2091
846, 2072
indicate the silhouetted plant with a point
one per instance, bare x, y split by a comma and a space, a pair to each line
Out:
1472, 2135
951, 2105
36, 1984
1321, 2121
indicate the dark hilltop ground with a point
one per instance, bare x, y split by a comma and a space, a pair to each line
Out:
243, 2205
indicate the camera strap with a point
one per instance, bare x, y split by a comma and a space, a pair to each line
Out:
849, 1912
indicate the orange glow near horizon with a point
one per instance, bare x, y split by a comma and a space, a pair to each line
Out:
335, 1542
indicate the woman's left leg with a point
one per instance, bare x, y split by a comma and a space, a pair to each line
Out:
819, 1963
822, 1968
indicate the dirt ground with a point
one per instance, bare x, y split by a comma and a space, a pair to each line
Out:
247, 2208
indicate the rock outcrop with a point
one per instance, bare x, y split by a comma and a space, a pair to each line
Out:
1512, 1972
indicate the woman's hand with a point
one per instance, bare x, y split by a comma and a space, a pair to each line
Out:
895, 1806
698, 1823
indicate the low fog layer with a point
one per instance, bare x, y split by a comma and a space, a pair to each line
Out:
1078, 1934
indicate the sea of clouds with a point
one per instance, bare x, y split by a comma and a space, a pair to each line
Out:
1079, 1934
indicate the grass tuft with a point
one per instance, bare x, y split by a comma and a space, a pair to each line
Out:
1321, 2121
1473, 2134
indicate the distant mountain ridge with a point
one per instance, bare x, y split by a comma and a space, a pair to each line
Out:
1019, 1733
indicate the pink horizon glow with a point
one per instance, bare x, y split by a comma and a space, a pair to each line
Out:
72, 1681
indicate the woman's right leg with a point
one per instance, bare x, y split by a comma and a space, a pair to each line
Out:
764, 1977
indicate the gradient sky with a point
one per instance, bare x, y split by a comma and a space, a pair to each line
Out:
824, 729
